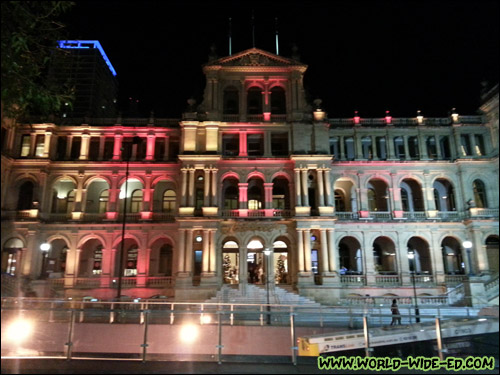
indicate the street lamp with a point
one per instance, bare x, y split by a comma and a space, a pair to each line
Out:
136, 140
267, 252
411, 257
468, 246
45, 247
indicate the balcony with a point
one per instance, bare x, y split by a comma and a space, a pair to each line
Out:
455, 279
387, 280
353, 279
415, 215
450, 215
482, 213
347, 216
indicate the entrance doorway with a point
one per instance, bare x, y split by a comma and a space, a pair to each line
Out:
255, 262
230, 262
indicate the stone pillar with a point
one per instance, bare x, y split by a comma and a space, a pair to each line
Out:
300, 249
243, 143
333, 252
117, 153
84, 147
374, 148
481, 255
390, 148
368, 262
243, 190
358, 146
205, 268
147, 193
102, 143
268, 190
106, 268
184, 187
69, 143
46, 144
472, 140
206, 195
328, 186
407, 149
436, 253
143, 256
298, 193
267, 144
307, 250
166, 155
321, 190
114, 193
214, 188
424, 153
189, 251
213, 257
79, 194
150, 147
324, 252
181, 252
428, 193
305, 191
191, 188
404, 262
342, 148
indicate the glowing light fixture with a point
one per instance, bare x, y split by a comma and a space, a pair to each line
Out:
199, 238
467, 244
388, 117
86, 44
357, 119
454, 115
45, 246
205, 319
188, 333
19, 330
420, 117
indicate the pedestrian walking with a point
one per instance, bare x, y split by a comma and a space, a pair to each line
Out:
396, 317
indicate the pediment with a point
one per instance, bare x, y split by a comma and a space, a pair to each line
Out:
254, 57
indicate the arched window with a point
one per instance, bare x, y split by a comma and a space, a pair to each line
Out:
97, 266
70, 202
165, 266
25, 197
404, 200
131, 265
231, 101
278, 101
479, 194
339, 200
136, 199
231, 198
254, 101
372, 200
103, 201
254, 198
169, 200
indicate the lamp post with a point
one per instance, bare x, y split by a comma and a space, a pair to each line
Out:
411, 256
44, 247
267, 253
136, 140
468, 246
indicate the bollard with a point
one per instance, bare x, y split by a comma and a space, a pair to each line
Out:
145, 341
69, 344
292, 337
367, 336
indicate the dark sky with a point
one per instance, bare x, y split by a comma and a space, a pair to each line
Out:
369, 56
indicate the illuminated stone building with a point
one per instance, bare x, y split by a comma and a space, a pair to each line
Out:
341, 203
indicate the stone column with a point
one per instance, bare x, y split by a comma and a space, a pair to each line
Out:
188, 267
147, 193
358, 146
333, 252
243, 190
479, 255
102, 143
84, 147
300, 249
342, 148
106, 268
404, 262
243, 143
374, 148
46, 144
166, 155
117, 153
472, 140
143, 256
150, 147
321, 189
437, 258
268, 190
184, 187
368, 262
305, 191
390, 148
307, 250
298, 193
213, 257
69, 143
422, 145
191, 188
206, 195
214, 188
267, 144
328, 188
181, 252
206, 255
407, 149
324, 252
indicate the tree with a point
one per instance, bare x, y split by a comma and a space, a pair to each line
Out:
30, 31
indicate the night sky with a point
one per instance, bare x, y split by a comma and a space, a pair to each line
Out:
368, 56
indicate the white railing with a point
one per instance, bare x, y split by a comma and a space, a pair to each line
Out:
492, 288
230, 213
282, 213
415, 215
455, 279
456, 294
347, 216
160, 281
483, 212
353, 279
449, 215
86, 282
380, 216
424, 279
387, 279
256, 213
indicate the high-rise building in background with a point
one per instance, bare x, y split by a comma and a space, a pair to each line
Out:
346, 206
85, 67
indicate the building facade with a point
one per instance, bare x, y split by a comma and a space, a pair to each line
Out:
345, 207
